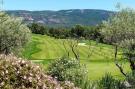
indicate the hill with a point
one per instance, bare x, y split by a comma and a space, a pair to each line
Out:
64, 17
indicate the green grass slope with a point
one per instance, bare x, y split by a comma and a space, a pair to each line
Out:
97, 57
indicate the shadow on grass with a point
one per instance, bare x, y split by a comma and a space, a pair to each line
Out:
30, 49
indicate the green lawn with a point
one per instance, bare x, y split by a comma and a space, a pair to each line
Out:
98, 63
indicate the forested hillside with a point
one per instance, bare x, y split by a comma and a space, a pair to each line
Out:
64, 17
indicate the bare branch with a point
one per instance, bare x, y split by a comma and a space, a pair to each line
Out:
73, 45
65, 48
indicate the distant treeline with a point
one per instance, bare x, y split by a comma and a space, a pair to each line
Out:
77, 31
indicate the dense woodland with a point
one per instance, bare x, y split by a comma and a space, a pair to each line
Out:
75, 32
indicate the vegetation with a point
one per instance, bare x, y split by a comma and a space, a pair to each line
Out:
66, 69
117, 31
120, 31
58, 67
64, 18
89, 52
77, 32
13, 34
109, 82
45, 49
16, 73
37, 28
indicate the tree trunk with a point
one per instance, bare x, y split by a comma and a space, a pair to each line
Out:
116, 61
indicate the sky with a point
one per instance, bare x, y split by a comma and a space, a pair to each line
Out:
64, 4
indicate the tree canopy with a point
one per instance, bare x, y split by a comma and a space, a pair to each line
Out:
119, 27
13, 33
119, 30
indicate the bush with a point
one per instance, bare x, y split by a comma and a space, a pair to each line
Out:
108, 82
13, 34
66, 69
131, 78
57, 68
76, 75
16, 73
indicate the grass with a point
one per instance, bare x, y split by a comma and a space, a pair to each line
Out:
98, 63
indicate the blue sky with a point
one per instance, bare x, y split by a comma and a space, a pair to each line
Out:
64, 4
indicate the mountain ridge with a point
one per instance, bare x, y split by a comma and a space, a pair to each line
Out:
63, 17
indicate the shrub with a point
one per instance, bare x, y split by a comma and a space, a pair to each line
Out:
13, 34
79, 77
66, 69
131, 78
58, 67
76, 75
16, 73
108, 82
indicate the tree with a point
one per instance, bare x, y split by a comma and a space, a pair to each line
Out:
92, 32
38, 28
77, 31
117, 30
129, 51
13, 34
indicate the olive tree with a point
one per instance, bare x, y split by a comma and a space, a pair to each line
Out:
117, 30
13, 33
129, 51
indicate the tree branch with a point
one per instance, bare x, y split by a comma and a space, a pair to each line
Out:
116, 61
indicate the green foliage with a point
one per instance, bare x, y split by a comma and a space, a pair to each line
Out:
13, 34
120, 30
131, 78
128, 49
108, 82
119, 27
61, 33
79, 77
88, 32
87, 84
77, 31
57, 68
66, 69
38, 28
76, 75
